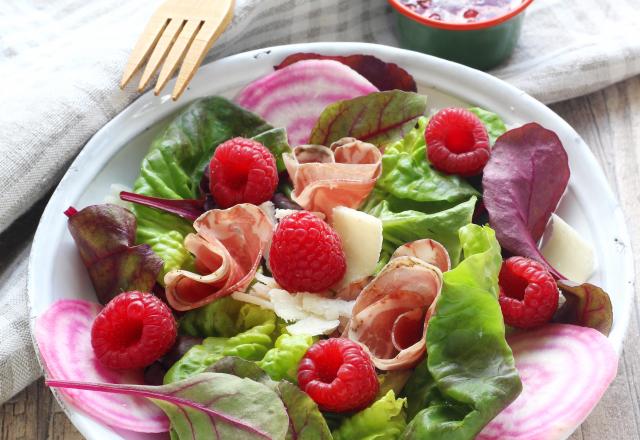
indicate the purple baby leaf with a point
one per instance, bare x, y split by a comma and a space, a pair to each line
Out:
105, 238
385, 76
209, 405
586, 305
523, 182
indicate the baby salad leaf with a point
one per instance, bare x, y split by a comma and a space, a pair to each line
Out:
379, 118
385, 76
276, 141
470, 374
104, 236
218, 318
492, 122
305, 420
209, 405
523, 182
586, 305
383, 420
281, 362
407, 174
174, 165
257, 326
402, 224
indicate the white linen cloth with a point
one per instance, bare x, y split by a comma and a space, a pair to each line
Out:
61, 60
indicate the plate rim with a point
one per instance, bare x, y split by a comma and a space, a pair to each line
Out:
335, 48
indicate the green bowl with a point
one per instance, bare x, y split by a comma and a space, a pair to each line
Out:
482, 45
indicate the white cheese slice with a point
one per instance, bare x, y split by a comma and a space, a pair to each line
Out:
567, 251
313, 326
361, 236
252, 299
328, 308
287, 306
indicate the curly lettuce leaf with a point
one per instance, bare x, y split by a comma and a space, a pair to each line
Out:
400, 226
492, 122
219, 318
173, 167
469, 375
383, 420
281, 362
257, 328
407, 174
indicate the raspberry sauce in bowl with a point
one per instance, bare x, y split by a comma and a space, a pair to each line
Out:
478, 33
462, 11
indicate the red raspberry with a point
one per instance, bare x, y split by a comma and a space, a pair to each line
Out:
338, 375
306, 254
133, 330
528, 293
457, 142
242, 171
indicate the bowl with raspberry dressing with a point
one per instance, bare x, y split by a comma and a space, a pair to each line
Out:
477, 33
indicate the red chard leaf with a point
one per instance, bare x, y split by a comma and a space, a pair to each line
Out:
378, 118
586, 305
523, 182
105, 238
209, 405
188, 209
385, 76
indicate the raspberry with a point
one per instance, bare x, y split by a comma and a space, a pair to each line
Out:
133, 330
457, 142
528, 293
338, 375
242, 171
306, 254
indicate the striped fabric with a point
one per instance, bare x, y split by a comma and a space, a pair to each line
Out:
60, 61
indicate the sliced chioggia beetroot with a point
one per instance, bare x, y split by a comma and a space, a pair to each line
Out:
63, 334
294, 97
565, 370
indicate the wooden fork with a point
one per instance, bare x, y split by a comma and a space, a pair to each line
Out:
180, 32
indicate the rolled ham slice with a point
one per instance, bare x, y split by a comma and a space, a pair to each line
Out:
427, 250
390, 316
228, 246
342, 175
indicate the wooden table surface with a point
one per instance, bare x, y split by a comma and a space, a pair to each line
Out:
609, 121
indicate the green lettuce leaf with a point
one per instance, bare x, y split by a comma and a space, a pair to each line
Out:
174, 165
383, 420
493, 123
400, 226
379, 118
407, 174
469, 375
219, 318
257, 335
281, 362
276, 141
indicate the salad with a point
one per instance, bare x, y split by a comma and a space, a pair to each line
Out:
327, 257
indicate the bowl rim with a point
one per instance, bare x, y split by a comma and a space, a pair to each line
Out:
478, 25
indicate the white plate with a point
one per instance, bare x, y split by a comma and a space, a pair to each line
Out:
114, 154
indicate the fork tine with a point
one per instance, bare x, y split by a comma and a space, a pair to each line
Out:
146, 42
208, 34
160, 51
177, 53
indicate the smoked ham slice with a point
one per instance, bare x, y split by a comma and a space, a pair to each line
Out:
228, 246
342, 175
427, 250
391, 313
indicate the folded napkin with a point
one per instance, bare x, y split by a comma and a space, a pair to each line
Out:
61, 60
